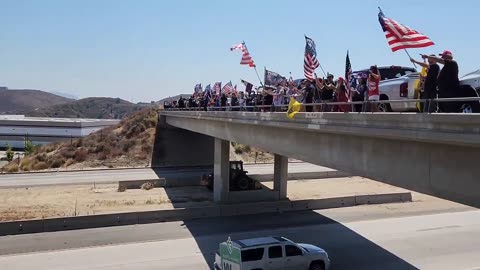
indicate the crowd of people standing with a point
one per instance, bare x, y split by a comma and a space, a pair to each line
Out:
316, 96
330, 95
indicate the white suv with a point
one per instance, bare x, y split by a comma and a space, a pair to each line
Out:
268, 253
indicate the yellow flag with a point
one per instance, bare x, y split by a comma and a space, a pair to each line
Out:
293, 108
418, 85
423, 74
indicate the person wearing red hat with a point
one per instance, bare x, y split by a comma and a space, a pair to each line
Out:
448, 82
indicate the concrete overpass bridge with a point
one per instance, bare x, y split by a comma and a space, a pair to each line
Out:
436, 154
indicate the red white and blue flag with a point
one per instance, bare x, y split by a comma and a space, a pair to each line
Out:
228, 88
348, 76
217, 88
246, 58
310, 62
400, 36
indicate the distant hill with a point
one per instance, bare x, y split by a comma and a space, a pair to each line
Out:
23, 101
65, 95
93, 107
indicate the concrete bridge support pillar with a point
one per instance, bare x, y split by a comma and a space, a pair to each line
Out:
221, 170
175, 147
280, 175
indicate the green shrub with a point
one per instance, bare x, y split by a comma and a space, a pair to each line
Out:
9, 154
29, 148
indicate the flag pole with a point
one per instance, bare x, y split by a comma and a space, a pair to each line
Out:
322, 70
410, 58
254, 66
408, 54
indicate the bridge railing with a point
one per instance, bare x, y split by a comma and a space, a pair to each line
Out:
471, 105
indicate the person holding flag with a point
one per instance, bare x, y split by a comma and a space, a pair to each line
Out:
430, 84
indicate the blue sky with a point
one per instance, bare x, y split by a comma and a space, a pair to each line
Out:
143, 50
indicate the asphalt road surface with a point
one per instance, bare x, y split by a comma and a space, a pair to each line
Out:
111, 176
355, 238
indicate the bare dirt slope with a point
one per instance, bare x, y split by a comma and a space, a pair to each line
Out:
128, 144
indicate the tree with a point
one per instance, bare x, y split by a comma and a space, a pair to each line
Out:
29, 148
9, 153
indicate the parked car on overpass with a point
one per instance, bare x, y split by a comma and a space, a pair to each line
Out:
472, 79
396, 83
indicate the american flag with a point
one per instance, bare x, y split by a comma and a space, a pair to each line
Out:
227, 88
246, 58
348, 76
217, 87
400, 36
310, 61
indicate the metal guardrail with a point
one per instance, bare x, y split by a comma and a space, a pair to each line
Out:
365, 104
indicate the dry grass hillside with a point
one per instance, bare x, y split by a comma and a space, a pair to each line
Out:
23, 101
93, 107
128, 144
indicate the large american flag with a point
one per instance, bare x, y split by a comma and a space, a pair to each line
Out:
348, 76
228, 88
310, 62
400, 36
246, 58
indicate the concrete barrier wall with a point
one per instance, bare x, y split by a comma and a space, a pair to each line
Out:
167, 215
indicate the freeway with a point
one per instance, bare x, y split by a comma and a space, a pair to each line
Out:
356, 238
115, 175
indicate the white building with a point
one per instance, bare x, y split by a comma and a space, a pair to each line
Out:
14, 129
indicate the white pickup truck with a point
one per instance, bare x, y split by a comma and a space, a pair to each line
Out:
397, 83
269, 253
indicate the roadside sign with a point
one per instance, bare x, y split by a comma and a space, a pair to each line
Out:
231, 256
